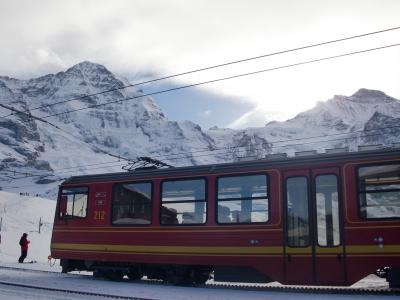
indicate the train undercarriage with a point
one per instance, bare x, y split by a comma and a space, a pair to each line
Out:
188, 274
176, 274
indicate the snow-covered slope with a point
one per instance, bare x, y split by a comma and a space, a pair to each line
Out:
372, 117
21, 214
129, 128
35, 156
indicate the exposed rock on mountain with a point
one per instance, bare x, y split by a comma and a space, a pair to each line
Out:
329, 123
132, 125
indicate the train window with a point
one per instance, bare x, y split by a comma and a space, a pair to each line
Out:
131, 204
379, 191
297, 212
73, 202
183, 202
327, 202
242, 199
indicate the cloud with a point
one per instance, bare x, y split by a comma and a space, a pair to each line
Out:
168, 37
207, 113
258, 116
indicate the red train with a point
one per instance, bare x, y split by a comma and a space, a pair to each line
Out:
325, 219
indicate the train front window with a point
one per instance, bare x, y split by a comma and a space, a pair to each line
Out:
132, 204
73, 202
242, 199
379, 191
183, 202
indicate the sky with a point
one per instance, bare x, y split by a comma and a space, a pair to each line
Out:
154, 38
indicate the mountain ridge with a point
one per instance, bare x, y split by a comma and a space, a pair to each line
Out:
136, 126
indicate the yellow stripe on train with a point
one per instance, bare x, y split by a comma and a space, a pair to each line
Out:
260, 250
167, 249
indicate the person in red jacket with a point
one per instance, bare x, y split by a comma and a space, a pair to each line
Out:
23, 242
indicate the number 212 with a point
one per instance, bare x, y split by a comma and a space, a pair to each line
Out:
99, 215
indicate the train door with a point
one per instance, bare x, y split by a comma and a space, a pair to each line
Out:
328, 245
313, 240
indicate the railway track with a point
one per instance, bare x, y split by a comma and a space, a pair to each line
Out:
212, 285
312, 289
287, 288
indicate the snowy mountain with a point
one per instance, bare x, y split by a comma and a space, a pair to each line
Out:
368, 117
35, 155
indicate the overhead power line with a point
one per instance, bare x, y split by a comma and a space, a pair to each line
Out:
285, 141
32, 117
280, 146
225, 78
28, 114
65, 173
181, 155
219, 66
260, 147
191, 85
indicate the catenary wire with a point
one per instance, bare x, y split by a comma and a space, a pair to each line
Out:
218, 66
177, 156
236, 76
281, 141
181, 155
206, 82
223, 79
275, 147
244, 150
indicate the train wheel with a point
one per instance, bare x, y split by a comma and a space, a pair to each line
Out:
179, 276
98, 274
134, 274
200, 276
113, 275
65, 265
179, 280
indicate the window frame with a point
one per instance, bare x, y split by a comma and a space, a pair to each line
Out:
315, 216
311, 237
205, 179
238, 199
151, 203
358, 191
72, 217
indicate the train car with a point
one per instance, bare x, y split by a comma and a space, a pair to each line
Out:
324, 219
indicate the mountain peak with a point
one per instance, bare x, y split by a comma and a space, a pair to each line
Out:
88, 67
366, 93
89, 73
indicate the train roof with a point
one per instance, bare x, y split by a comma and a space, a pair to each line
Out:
274, 160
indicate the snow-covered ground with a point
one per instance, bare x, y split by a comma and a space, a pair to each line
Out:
141, 290
22, 213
